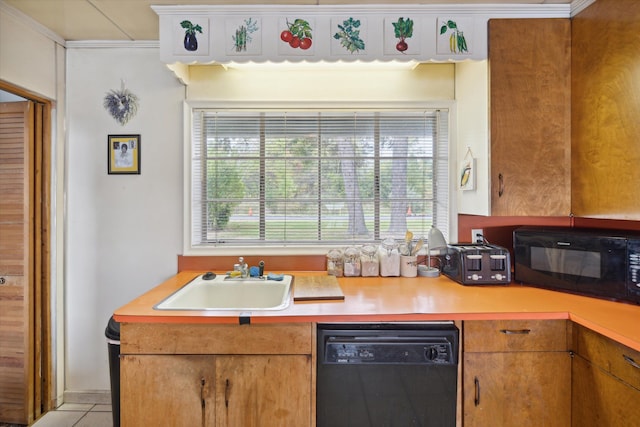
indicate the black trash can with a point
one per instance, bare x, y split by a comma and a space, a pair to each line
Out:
112, 332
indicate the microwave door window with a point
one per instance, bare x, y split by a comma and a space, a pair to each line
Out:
566, 262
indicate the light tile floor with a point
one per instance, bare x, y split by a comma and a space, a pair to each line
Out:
77, 415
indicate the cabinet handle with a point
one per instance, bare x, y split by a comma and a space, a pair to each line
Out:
630, 361
203, 409
2, 281
476, 396
515, 331
202, 383
227, 386
500, 185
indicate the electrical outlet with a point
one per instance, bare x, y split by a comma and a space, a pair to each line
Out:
477, 235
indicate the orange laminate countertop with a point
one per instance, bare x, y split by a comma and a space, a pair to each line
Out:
381, 299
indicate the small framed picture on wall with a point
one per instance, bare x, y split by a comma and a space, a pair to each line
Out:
468, 172
123, 152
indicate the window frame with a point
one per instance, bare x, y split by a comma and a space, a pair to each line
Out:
299, 249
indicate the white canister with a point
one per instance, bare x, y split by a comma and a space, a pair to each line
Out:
369, 261
352, 262
389, 258
335, 263
408, 265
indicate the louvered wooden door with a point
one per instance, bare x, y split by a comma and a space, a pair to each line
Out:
17, 250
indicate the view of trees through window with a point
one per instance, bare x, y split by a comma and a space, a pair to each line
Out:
307, 177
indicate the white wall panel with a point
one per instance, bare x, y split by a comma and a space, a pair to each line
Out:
27, 57
472, 92
124, 232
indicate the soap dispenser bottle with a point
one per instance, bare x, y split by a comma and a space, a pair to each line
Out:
244, 268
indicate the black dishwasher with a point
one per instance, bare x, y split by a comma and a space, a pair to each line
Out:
387, 375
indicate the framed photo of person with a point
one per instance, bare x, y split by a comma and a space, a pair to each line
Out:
123, 152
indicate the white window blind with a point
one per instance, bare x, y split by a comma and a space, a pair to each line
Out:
299, 177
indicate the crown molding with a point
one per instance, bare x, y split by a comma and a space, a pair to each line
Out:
495, 10
109, 44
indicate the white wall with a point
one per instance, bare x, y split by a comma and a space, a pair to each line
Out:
472, 94
124, 232
9, 97
28, 55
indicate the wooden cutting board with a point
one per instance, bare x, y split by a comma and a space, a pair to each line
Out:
310, 288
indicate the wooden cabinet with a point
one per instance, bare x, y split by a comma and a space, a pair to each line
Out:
516, 373
605, 382
163, 389
605, 109
249, 375
530, 116
263, 390
197, 390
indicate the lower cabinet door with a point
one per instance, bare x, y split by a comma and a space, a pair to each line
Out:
602, 400
263, 390
171, 390
517, 389
211, 390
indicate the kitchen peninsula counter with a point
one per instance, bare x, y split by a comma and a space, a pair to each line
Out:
384, 299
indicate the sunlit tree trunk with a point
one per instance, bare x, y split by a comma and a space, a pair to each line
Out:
398, 223
348, 166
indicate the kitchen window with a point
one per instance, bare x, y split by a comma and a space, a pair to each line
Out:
308, 178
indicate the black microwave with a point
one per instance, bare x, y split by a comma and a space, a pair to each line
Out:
598, 263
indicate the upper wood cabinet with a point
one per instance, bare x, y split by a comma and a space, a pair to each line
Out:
605, 110
530, 116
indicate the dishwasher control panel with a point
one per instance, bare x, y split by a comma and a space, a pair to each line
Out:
338, 350
380, 344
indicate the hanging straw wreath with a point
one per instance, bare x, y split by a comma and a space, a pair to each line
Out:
121, 104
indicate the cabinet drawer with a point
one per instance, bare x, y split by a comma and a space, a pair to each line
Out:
515, 335
176, 338
615, 358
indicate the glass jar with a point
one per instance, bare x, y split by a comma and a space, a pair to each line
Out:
352, 262
369, 263
335, 263
389, 258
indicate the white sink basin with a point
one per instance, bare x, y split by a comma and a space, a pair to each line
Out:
223, 293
